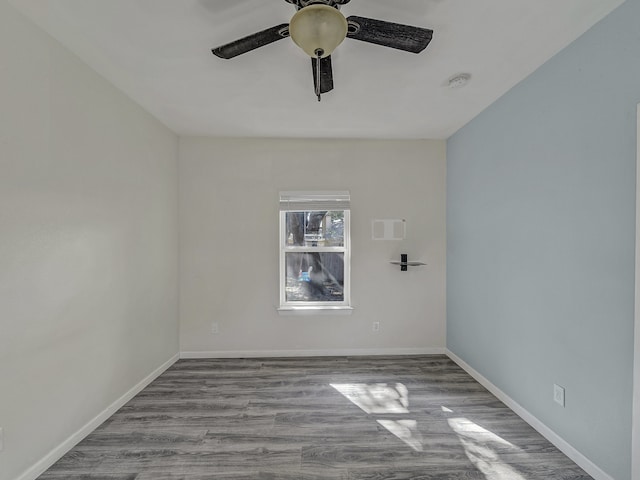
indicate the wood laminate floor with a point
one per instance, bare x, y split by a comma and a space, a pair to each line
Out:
347, 418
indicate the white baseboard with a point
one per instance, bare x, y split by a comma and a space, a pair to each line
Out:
58, 452
562, 445
311, 353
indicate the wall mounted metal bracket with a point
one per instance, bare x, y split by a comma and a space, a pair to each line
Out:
404, 263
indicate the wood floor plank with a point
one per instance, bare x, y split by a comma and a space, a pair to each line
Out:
330, 418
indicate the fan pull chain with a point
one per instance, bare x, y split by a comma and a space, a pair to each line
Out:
319, 53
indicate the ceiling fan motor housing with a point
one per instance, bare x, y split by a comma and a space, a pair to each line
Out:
305, 3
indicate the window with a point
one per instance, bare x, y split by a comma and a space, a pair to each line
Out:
314, 251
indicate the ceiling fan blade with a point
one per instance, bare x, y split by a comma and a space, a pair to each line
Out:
326, 74
251, 42
394, 35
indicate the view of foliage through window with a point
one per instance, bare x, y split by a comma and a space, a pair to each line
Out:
314, 274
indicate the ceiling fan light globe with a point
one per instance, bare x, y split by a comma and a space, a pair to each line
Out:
318, 29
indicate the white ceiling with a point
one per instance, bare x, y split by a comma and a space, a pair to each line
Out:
158, 53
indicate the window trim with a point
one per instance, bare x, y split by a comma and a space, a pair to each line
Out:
315, 307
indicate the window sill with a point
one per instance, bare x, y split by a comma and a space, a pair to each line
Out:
315, 310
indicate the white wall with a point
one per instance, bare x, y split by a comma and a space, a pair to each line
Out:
229, 244
88, 244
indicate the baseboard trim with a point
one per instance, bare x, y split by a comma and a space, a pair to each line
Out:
311, 353
58, 452
564, 446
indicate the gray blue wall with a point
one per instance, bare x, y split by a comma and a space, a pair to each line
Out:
541, 228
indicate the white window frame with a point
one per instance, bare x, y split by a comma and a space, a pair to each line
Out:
313, 201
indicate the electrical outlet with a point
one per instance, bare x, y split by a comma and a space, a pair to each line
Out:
215, 328
558, 394
1, 438
376, 326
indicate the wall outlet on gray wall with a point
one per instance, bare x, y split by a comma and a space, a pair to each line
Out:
215, 328
558, 394
375, 327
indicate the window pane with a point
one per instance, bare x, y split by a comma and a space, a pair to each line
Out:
315, 229
315, 277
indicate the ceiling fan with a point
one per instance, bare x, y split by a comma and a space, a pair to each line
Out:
318, 27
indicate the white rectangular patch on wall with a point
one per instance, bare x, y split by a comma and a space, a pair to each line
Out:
389, 229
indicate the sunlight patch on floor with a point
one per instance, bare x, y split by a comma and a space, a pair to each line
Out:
376, 397
477, 441
383, 398
405, 430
